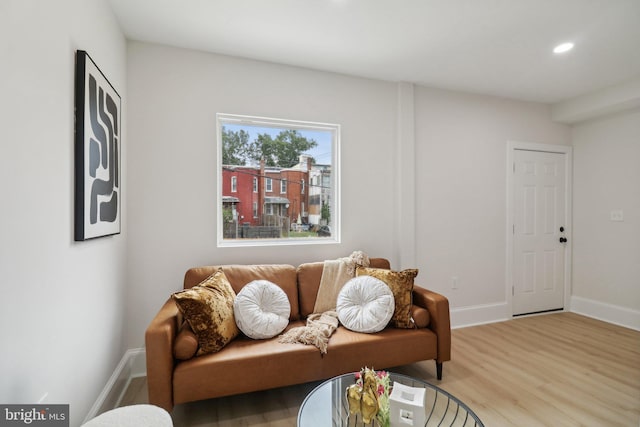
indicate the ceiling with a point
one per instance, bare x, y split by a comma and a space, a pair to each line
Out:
495, 47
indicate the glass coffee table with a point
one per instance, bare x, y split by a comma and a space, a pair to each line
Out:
327, 405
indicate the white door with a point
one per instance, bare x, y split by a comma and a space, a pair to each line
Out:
539, 234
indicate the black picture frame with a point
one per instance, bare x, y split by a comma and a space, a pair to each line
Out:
98, 139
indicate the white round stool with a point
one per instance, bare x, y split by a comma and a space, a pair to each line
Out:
132, 416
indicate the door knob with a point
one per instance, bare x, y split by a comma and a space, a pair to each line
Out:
563, 240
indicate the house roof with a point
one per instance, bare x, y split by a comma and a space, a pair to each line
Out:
276, 200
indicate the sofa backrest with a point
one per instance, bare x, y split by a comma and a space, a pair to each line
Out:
282, 275
309, 276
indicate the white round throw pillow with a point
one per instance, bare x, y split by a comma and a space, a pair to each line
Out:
261, 309
365, 304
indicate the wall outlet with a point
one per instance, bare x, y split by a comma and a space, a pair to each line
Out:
617, 215
454, 282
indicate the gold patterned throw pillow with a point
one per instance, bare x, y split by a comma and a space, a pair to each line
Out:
208, 308
401, 284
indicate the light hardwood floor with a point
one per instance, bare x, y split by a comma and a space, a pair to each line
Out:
558, 369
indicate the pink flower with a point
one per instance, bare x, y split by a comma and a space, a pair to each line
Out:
380, 389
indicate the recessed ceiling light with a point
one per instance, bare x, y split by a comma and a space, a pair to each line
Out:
563, 47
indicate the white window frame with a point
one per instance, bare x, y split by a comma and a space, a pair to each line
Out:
234, 184
333, 129
268, 184
283, 186
255, 184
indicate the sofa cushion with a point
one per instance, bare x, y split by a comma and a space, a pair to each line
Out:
401, 284
283, 275
246, 365
365, 304
208, 307
261, 309
309, 276
420, 316
186, 343
349, 351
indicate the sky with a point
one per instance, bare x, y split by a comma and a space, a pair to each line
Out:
321, 153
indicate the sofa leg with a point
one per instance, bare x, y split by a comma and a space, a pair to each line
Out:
439, 370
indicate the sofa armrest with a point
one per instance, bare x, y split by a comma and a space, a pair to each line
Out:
159, 340
440, 324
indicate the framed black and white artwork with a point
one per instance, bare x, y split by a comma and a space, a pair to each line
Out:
98, 139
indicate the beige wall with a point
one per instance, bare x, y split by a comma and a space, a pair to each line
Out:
459, 175
606, 254
174, 95
461, 147
62, 304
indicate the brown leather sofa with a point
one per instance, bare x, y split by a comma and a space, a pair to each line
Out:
246, 365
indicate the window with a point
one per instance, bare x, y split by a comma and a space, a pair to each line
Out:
302, 157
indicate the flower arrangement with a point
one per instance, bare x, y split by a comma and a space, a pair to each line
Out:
381, 384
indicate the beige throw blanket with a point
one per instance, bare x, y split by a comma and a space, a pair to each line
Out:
335, 274
320, 326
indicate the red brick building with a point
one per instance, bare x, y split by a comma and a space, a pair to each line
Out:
251, 192
240, 186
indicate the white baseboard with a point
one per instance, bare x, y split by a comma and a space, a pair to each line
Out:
489, 313
132, 364
479, 315
610, 313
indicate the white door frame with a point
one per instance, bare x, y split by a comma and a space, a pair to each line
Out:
512, 146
